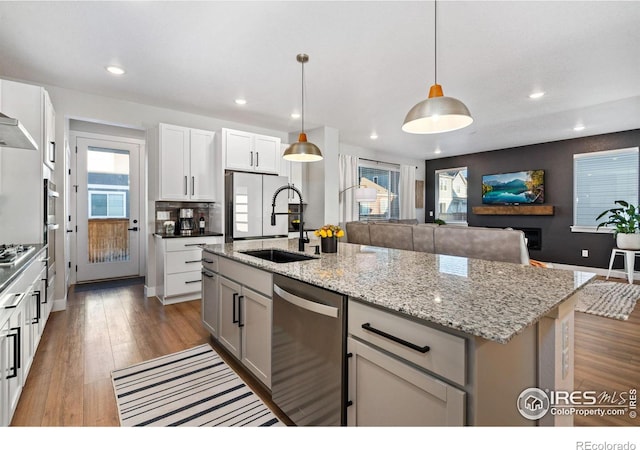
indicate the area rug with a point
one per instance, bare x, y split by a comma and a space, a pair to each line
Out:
193, 387
608, 299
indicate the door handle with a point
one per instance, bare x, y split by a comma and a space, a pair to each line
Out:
233, 307
133, 229
257, 159
240, 322
251, 163
193, 185
69, 231
185, 185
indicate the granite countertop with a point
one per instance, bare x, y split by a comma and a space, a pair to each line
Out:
487, 299
10, 273
170, 236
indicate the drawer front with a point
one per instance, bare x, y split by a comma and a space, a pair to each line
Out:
184, 261
446, 354
209, 261
178, 244
183, 283
256, 279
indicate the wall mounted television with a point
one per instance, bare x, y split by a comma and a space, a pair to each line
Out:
514, 188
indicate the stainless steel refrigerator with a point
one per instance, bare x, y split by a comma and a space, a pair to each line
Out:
248, 199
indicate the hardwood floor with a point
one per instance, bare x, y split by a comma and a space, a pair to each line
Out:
607, 359
107, 328
103, 329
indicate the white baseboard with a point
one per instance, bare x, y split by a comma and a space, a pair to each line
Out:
149, 291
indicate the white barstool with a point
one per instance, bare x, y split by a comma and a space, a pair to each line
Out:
629, 261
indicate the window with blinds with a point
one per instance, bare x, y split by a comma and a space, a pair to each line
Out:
385, 181
601, 178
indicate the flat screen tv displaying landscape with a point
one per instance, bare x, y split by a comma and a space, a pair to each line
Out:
513, 188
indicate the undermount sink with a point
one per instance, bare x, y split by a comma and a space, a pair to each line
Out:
278, 256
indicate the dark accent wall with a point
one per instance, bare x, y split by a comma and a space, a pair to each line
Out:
559, 244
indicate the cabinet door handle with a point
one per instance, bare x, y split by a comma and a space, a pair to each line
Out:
235, 297
193, 185
16, 353
412, 346
53, 152
240, 322
193, 245
193, 281
206, 274
36, 294
257, 159
210, 261
185, 185
193, 261
251, 163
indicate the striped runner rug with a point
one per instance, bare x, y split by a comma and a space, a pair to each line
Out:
194, 387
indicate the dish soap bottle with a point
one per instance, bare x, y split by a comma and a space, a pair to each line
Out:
202, 224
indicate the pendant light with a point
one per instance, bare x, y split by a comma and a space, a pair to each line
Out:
437, 114
302, 151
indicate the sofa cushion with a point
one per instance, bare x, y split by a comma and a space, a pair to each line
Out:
482, 243
358, 233
391, 235
423, 240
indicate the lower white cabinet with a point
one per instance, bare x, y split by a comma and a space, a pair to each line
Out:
245, 327
22, 321
178, 265
237, 311
385, 391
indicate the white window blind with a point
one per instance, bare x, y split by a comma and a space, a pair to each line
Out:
601, 178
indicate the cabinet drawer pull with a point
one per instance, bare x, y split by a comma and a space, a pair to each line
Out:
17, 298
193, 281
207, 274
209, 261
193, 261
193, 245
368, 327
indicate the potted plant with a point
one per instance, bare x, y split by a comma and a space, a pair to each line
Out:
626, 222
329, 235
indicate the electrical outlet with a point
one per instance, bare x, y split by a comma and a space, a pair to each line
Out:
585, 253
162, 215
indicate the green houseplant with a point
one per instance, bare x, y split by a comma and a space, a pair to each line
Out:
625, 219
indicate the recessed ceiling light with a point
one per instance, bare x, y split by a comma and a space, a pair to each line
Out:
115, 70
437, 151
578, 128
536, 95
241, 101
295, 115
373, 136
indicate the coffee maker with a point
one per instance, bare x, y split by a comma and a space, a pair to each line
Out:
186, 224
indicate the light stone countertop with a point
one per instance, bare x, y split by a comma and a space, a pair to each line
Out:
487, 299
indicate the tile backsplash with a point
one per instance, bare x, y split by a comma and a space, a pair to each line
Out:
203, 209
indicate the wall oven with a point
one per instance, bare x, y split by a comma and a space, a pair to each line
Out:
50, 227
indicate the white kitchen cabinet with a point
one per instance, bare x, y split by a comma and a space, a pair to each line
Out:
244, 319
250, 152
186, 163
49, 150
6, 349
178, 267
386, 391
390, 380
21, 215
210, 308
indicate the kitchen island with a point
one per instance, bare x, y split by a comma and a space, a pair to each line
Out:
512, 325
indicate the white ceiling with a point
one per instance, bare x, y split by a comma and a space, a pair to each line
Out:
370, 62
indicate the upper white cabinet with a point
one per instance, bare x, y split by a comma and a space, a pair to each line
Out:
250, 152
186, 160
21, 215
49, 150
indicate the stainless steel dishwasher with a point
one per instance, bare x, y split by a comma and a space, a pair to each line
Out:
308, 353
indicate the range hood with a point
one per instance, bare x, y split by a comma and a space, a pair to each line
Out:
14, 134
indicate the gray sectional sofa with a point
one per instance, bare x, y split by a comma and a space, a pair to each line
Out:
495, 244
